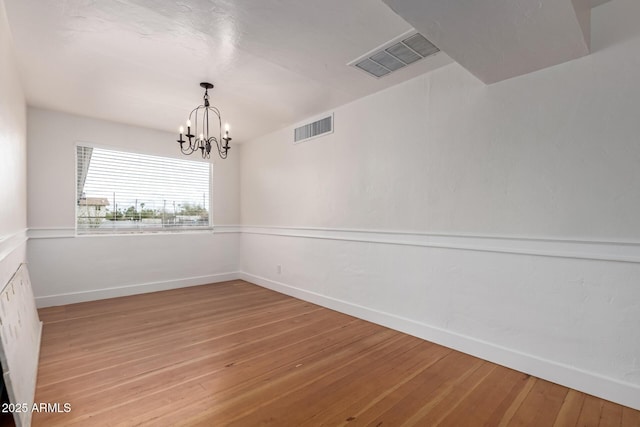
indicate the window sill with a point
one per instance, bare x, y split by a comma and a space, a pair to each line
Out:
146, 232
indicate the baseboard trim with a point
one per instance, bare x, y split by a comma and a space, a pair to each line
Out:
142, 288
604, 387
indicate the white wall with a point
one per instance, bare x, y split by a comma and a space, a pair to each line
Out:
66, 268
501, 220
13, 159
553, 153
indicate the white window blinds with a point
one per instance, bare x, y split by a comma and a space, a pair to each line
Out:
120, 192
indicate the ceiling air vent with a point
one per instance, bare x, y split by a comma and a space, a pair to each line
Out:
396, 54
314, 129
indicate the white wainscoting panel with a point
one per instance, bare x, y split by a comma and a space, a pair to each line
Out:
564, 311
91, 267
12, 253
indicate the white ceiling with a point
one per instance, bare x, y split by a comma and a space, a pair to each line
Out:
274, 62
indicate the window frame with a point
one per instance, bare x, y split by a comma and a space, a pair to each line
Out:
147, 230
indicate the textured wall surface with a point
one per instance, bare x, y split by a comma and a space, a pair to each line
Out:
550, 154
13, 159
65, 268
500, 220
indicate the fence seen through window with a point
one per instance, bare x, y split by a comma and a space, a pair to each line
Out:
120, 191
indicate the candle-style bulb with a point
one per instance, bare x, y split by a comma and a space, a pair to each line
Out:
181, 130
201, 136
226, 127
188, 123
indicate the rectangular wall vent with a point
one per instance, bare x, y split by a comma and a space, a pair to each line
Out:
395, 54
314, 129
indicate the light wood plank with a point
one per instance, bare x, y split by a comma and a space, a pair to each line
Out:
591, 410
517, 402
570, 409
611, 415
237, 354
488, 400
630, 417
541, 406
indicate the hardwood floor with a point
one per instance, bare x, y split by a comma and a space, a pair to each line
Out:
235, 354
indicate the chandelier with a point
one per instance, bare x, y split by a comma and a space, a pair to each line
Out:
203, 142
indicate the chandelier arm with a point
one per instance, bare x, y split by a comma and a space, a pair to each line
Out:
196, 120
217, 146
195, 109
205, 123
215, 110
222, 152
188, 151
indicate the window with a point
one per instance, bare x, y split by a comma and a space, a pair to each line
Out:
123, 192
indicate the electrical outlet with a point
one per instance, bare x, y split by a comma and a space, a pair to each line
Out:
279, 269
